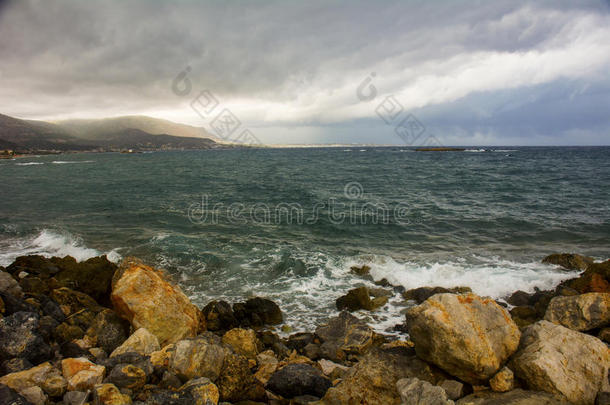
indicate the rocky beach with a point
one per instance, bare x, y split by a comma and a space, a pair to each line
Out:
96, 332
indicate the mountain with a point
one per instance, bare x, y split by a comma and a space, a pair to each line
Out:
113, 134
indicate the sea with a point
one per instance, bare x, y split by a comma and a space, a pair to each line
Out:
288, 224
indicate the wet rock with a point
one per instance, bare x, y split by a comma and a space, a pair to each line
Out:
258, 312
202, 356
423, 293
298, 379
19, 337
202, 390
108, 330
468, 336
363, 270
413, 391
569, 261
519, 298
236, 382
344, 334
514, 397
141, 341
580, 312
75, 397
267, 365
14, 365
82, 374
44, 376
454, 389
359, 298
243, 341
127, 376
144, 296
219, 316
558, 360
109, 394
92, 277
595, 279
35, 395
503, 381
9, 396
8, 285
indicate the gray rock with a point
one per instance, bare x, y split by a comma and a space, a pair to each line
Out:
19, 337
415, 392
580, 312
296, 380
454, 389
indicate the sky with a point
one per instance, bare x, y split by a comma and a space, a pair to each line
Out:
404, 72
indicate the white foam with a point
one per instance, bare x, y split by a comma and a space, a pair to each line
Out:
48, 243
29, 163
63, 162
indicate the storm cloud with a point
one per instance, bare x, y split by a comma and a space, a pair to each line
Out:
472, 72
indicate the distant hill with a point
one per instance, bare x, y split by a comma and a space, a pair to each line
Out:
112, 134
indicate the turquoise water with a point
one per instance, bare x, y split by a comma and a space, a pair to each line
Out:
218, 219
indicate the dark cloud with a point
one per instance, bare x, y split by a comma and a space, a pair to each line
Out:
282, 65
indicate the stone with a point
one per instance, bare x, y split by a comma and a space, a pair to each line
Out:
141, 341
524, 315
267, 364
14, 365
558, 360
503, 381
197, 357
82, 374
109, 394
108, 330
19, 337
359, 298
13, 305
127, 376
161, 358
35, 395
298, 341
454, 389
34, 286
421, 294
363, 270
342, 335
33, 264
144, 296
569, 261
258, 312
202, 390
92, 276
170, 380
312, 351
9, 285
72, 302
9, 396
467, 336
219, 316
519, 298
604, 335
65, 332
236, 382
514, 397
413, 391
75, 397
580, 312
331, 369
603, 398
44, 376
298, 379
243, 341
130, 358
595, 279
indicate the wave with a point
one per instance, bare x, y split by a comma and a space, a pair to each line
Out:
29, 163
63, 162
49, 243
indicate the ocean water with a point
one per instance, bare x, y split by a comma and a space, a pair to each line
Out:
288, 223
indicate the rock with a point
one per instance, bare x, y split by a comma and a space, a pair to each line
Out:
298, 379
331, 369
34, 286
423, 293
580, 312
219, 316
72, 302
558, 360
312, 351
243, 341
14, 365
35, 395
161, 358
33, 264
108, 330
414, 392
604, 335
519, 298
236, 382
603, 398
373, 379
503, 381
170, 380
65, 332
569, 261
595, 279
258, 312
359, 298
11, 397
108, 394
92, 277
468, 336
344, 334
144, 297
202, 390
454, 389
298, 341
130, 358
13, 305
524, 315
197, 357
141, 341
267, 364
75, 397
44, 376
19, 337
380, 292
8, 285
363, 270
127, 376
514, 397
81, 374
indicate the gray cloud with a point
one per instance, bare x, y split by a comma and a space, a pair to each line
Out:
281, 65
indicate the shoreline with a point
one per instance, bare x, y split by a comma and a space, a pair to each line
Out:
138, 336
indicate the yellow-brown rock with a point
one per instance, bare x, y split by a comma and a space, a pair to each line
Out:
44, 376
81, 374
243, 341
144, 296
109, 394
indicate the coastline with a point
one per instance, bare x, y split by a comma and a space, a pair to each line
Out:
137, 337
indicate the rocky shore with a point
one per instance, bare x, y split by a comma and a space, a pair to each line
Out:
94, 332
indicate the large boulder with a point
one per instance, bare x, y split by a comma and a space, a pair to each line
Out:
558, 360
580, 312
19, 337
295, 380
569, 261
44, 376
144, 296
468, 336
343, 335
414, 391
